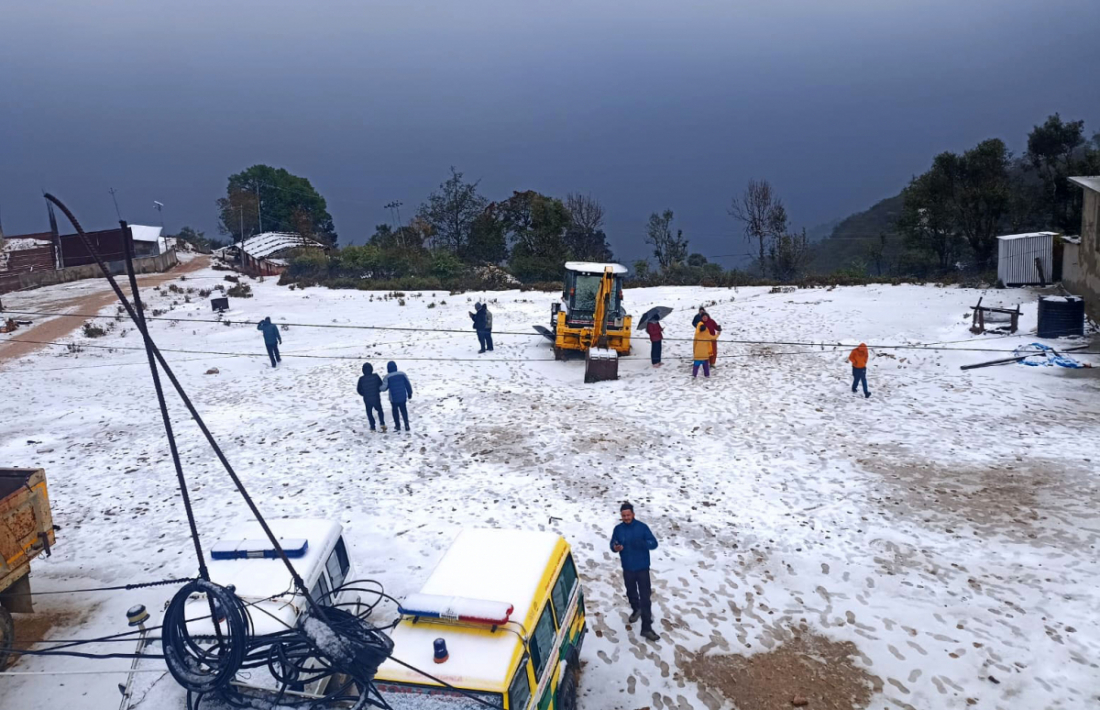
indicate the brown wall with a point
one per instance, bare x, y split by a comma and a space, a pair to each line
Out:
35, 259
33, 279
1085, 282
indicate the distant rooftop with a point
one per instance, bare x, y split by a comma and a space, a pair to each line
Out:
1028, 235
143, 233
1091, 182
267, 243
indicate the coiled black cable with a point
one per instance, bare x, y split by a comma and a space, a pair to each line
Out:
202, 664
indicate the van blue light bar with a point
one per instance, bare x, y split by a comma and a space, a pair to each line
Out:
439, 606
257, 549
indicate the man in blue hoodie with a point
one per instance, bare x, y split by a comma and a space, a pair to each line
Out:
272, 340
397, 384
633, 540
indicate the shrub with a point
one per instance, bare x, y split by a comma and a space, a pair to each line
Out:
91, 330
240, 291
232, 279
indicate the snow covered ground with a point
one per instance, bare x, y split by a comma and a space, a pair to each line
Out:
947, 526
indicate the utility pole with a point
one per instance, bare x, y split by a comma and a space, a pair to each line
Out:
160, 211
115, 200
259, 209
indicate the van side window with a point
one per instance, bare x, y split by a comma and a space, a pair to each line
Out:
337, 564
519, 692
563, 589
320, 592
542, 642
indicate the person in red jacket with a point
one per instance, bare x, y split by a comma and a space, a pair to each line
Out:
656, 333
858, 358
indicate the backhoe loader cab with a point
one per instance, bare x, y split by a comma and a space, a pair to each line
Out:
590, 318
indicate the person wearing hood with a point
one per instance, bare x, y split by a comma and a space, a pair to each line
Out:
483, 324
370, 389
397, 384
858, 358
701, 349
272, 339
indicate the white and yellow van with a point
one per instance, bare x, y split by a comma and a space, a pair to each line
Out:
501, 618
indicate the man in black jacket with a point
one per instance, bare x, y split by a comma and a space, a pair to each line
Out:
483, 324
370, 389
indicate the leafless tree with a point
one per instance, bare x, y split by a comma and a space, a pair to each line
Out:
585, 210
763, 215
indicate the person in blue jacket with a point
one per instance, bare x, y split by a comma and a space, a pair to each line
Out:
272, 339
370, 389
397, 384
633, 540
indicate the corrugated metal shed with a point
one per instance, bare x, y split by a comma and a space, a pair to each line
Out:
1016, 254
270, 243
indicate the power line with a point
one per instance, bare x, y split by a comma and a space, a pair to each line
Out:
463, 331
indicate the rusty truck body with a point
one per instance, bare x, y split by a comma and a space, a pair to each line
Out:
26, 531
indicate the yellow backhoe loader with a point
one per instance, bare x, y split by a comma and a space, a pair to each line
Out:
591, 319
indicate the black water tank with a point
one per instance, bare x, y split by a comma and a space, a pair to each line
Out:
1061, 316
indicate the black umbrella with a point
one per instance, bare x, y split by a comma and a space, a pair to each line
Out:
658, 312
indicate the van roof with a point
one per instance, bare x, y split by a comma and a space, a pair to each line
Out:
259, 578
513, 566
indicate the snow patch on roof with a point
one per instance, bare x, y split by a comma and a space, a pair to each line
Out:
1028, 235
261, 245
1091, 182
591, 267
144, 233
22, 243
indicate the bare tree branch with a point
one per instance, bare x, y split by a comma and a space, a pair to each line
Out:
586, 211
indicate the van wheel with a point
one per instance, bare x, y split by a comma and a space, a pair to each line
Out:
567, 691
7, 636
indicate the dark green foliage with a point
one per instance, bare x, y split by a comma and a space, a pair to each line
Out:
289, 204
669, 250
197, 239
535, 225
1057, 150
451, 213
488, 243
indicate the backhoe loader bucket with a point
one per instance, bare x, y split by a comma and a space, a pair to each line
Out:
600, 365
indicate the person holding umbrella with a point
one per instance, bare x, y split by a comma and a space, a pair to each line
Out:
651, 322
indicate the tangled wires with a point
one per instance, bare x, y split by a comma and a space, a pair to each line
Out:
330, 656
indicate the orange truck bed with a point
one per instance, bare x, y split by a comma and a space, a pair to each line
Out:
26, 528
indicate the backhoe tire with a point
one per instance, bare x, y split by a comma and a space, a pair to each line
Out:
7, 636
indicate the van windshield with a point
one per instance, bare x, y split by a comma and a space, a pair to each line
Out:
420, 697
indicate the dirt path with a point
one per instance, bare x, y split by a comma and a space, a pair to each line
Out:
55, 328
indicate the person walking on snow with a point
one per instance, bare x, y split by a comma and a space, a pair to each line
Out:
858, 358
656, 333
272, 340
701, 350
397, 384
633, 540
483, 324
370, 389
714, 329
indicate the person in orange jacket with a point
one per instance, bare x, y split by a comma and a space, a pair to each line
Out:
858, 358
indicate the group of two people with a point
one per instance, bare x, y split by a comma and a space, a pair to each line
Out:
704, 343
396, 383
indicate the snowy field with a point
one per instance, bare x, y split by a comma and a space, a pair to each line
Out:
947, 527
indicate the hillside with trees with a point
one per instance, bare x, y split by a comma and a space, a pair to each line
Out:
948, 218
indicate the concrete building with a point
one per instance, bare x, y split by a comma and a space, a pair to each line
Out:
1081, 261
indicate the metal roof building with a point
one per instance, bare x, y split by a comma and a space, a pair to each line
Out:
1025, 259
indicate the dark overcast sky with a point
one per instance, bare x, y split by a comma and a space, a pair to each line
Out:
646, 105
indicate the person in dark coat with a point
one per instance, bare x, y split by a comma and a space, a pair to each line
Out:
483, 324
397, 384
370, 389
272, 339
633, 540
